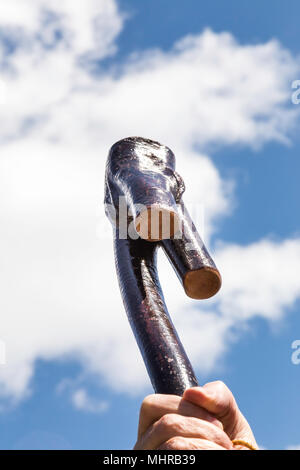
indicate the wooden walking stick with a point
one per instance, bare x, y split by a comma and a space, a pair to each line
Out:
141, 177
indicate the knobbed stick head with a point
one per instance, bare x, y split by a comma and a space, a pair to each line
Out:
141, 174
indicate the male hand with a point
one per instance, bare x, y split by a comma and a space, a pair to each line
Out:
204, 418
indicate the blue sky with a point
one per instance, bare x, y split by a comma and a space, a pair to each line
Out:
62, 386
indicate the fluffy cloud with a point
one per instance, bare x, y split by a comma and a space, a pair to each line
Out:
89, 27
82, 401
60, 297
259, 280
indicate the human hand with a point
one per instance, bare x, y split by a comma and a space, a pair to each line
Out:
204, 418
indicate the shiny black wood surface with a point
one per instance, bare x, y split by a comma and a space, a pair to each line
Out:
143, 173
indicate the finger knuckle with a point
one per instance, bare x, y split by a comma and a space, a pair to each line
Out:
147, 403
169, 421
176, 443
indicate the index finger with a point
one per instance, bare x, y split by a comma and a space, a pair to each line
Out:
156, 406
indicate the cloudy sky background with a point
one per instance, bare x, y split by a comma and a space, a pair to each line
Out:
214, 84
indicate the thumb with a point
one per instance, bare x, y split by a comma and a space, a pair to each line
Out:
216, 398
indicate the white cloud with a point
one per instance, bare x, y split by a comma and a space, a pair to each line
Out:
259, 279
82, 401
85, 27
60, 297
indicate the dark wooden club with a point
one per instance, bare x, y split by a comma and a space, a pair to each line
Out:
143, 200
